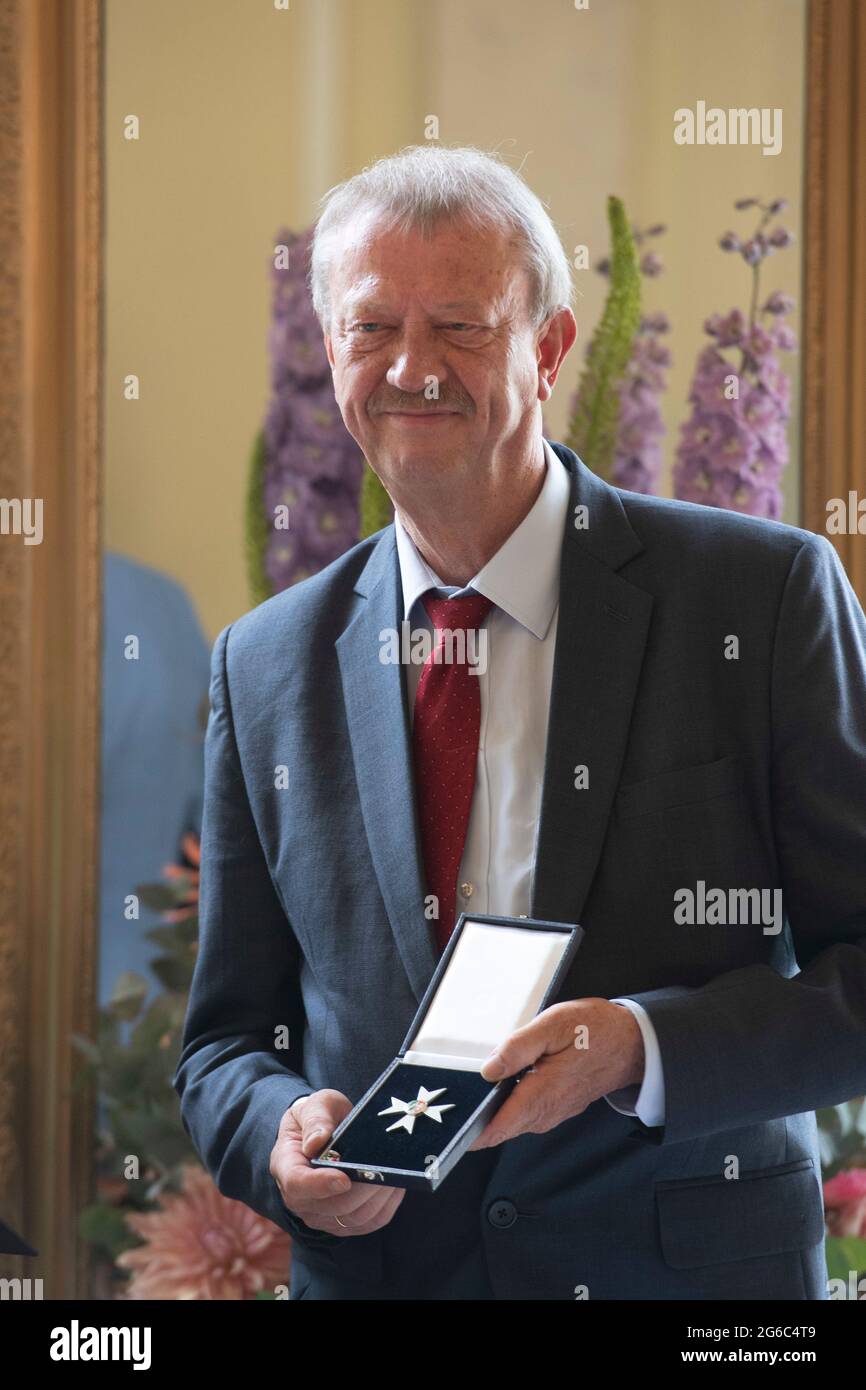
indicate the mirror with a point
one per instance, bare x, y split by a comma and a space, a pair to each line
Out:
207, 135
222, 131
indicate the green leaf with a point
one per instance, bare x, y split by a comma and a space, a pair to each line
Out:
826, 1148
257, 528
160, 1017
88, 1047
160, 897
841, 1136
176, 937
143, 1131
128, 995
593, 428
844, 1255
109, 1030
104, 1225
828, 1120
173, 973
376, 508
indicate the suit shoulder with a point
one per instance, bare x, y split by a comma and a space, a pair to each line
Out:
713, 532
321, 601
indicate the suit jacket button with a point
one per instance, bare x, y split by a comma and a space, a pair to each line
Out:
502, 1213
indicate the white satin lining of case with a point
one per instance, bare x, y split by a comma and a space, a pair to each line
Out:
494, 983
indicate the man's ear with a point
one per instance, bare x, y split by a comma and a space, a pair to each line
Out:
553, 346
329, 350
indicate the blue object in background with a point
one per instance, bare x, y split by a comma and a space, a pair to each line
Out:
152, 751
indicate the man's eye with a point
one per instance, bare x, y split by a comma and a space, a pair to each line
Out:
360, 327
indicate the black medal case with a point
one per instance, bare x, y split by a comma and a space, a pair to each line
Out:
495, 974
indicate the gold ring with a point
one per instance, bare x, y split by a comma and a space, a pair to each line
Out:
342, 1223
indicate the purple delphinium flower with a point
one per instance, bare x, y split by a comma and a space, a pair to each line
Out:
637, 457
313, 465
734, 446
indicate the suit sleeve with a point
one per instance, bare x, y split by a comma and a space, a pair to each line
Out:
754, 1045
234, 1082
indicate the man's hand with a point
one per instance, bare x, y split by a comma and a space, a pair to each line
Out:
318, 1197
578, 1051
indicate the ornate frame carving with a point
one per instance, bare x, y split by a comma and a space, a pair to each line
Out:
51, 350
50, 629
834, 272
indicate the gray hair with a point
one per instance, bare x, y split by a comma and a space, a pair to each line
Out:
424, 184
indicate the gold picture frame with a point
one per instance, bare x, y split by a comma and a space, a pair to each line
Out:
51, 353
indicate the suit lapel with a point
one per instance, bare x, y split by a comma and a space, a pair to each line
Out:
600, 641
379, 730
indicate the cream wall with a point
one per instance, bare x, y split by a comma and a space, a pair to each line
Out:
586, 100
249, 114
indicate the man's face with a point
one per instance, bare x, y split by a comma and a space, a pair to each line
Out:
434, 359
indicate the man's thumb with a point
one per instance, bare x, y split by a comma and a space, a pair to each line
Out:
315, 1114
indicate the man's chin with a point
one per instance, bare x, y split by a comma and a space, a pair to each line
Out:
420, 454
438, 445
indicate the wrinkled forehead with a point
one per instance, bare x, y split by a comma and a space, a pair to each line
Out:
375, 261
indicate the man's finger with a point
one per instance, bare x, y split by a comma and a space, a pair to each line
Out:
299, 1183
358, 1226
551, 1031
361, 1203
519, 1114
516, 1115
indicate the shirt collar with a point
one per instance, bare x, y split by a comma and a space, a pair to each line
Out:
522, 578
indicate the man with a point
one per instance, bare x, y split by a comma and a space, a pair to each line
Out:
671, 711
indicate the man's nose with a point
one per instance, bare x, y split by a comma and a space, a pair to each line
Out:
416, 358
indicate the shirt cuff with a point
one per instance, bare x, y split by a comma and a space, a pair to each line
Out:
646, 1101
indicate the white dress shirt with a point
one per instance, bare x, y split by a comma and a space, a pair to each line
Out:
522, 581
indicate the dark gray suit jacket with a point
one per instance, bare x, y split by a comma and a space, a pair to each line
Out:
741, 773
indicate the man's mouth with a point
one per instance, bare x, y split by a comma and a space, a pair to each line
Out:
422, 414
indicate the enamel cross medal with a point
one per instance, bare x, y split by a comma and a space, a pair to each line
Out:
411, 1109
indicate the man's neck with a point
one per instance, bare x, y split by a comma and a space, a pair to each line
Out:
457, 540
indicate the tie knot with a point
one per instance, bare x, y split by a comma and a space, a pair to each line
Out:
457, 614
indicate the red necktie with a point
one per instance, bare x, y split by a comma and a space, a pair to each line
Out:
447, 720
